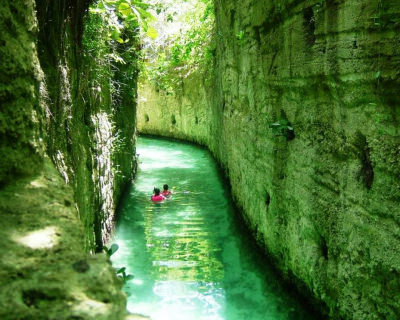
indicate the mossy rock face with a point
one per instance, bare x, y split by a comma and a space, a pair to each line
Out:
325, 203
186, 116
90, 132
20, 117
48, 107
45, 271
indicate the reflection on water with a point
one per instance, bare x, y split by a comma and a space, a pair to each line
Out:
187, 255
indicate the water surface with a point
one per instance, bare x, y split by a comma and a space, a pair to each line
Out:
189, 257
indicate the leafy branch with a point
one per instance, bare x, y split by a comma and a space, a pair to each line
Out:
177, 55
125, 14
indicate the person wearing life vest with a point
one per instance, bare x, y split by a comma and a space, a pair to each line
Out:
157, 197
166, 193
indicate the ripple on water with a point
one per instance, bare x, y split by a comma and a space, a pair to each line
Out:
189, 258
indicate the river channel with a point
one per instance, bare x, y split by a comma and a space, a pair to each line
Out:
190, 256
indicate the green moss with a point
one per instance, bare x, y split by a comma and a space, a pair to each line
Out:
332, 217
47, 99
51, 275
91, 109
19, 92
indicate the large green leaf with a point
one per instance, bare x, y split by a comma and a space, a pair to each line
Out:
152, 33
125, 9
121, 270
128, 277
114, 247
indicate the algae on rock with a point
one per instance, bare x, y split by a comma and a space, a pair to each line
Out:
46, 272
21, 115
54, 117
324, 204
86, 138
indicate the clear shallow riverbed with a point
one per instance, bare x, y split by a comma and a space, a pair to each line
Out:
189, 256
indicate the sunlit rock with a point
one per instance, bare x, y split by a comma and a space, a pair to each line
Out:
40, 239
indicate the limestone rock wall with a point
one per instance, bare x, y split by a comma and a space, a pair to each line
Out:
186, 116
67, 149
46, 273
90, 145
324, 197
20, 118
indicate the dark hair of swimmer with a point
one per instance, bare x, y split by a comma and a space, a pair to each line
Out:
165, 187
156, 191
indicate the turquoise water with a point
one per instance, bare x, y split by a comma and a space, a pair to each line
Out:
189, 257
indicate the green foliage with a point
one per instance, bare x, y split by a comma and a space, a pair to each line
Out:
122, 275
124, 14
110, 251
240, 35
119, 141
183, 53
282, 127
111, 49
112, 33
120, 272
97, 52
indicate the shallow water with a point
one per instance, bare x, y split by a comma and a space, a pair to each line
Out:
189, 257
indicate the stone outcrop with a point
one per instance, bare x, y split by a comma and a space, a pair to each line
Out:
88, 136
303, 115
20, 118
46, 273
67, 150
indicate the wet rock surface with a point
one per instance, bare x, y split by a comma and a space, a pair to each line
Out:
323, 202
61, 171
45, 271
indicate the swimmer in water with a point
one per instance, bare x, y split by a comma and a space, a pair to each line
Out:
157, 197
166, 193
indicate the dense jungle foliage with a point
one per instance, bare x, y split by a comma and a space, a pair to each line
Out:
183, 48
121, 31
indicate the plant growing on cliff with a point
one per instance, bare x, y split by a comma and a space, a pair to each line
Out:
124, 14
110, 251
241, 37
110, 65
120, 272
113, 30
123, 276
284, 128
107, 56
